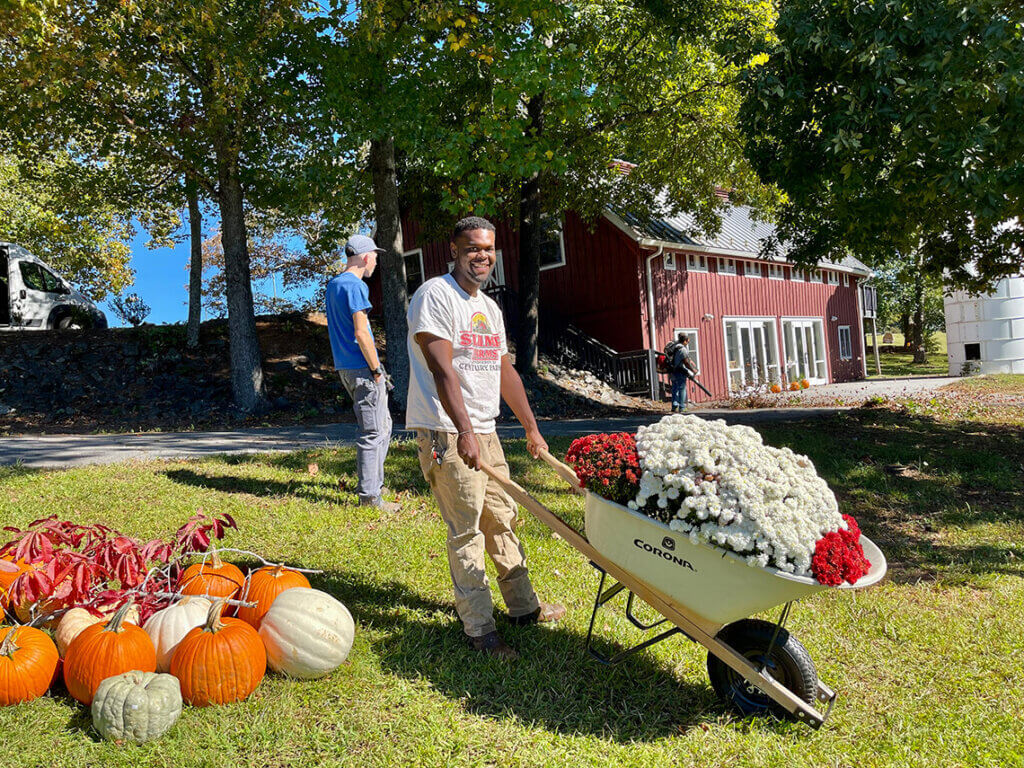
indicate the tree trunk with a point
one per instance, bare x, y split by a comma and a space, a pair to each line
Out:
195, 269
246, 360
920, 355
531, 237
392, 264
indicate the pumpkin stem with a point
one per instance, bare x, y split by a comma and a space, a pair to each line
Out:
215, 559
114, 625
8, 646
213, 622
278, 571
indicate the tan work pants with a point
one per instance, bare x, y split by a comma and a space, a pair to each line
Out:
480, 517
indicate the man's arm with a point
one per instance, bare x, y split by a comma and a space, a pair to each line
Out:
438, 354
365, 341
512, 392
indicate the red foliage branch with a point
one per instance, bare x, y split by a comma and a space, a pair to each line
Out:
66, 564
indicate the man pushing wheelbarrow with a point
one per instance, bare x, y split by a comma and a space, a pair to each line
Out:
459, 372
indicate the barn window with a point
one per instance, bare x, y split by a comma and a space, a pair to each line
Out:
972, 351
776, 272
751, 269
845, 347
669, 262
832, 277
846, 280
751, 352
552, 247
727, 266
694, 348
413, 270
696, 262
803, 344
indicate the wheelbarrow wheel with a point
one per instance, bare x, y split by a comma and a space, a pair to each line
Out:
789, 663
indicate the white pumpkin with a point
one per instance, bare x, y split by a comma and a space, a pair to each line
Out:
75, 620
166, 628
136, 706
307, 633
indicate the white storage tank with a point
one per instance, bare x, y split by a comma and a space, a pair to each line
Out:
986, 332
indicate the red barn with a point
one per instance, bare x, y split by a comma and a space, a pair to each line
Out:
623, 287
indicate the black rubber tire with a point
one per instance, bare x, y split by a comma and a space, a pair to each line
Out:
68, 321
789, 664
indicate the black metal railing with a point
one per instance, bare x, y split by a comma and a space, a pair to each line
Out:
568, 346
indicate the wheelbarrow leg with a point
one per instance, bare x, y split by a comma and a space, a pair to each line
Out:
603, 596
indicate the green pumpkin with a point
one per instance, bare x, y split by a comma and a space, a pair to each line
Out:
136, 706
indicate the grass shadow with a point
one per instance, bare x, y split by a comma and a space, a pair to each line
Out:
553, 683
918, 485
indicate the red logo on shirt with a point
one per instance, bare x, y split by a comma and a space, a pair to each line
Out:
485, 344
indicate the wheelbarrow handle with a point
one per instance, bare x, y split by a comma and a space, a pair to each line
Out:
542, 513
564, 471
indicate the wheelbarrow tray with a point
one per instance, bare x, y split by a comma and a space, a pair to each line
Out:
712, 583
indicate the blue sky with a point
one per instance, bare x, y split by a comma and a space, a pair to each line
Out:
161, 279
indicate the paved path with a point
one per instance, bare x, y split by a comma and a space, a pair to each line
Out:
57, 451
858, 391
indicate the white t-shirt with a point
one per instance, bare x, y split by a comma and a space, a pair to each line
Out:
474, 326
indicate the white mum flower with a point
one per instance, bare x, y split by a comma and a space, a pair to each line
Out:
723, 486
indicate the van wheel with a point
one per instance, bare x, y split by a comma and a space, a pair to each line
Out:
67, 322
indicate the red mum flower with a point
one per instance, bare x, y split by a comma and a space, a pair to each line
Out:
839, 557
607, 465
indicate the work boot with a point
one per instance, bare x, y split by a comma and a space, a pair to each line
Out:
379, 503
493, 645
546, 612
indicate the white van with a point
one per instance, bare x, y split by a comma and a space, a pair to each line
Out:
34, 297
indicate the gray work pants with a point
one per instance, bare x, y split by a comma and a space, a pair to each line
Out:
370, 404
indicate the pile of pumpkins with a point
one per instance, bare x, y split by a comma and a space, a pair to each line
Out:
135, 679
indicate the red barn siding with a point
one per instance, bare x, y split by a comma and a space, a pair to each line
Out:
597, 290
602, 290
684, 298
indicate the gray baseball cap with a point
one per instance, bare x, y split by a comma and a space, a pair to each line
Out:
359, 244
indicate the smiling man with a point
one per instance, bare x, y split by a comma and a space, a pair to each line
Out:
459, 371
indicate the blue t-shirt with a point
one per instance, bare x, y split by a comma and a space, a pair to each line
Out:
346, 294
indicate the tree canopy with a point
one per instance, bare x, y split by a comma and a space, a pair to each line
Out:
894, 128
67, 213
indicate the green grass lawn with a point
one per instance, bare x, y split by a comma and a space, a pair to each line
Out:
928, 665
902, 364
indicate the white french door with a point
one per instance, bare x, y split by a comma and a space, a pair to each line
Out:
804, 344
751, 352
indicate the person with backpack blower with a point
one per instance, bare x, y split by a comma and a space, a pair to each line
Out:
681, 367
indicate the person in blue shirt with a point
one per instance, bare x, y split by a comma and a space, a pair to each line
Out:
357, 363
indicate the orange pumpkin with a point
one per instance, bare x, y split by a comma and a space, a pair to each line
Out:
262, 587
28, 660
214, 578
9, 571
775, 388
220, 662
804, 383
794, 386
101, 651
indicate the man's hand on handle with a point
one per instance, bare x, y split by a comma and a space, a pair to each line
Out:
535, 443
468, 450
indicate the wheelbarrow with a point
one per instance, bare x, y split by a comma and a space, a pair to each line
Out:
706, 594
